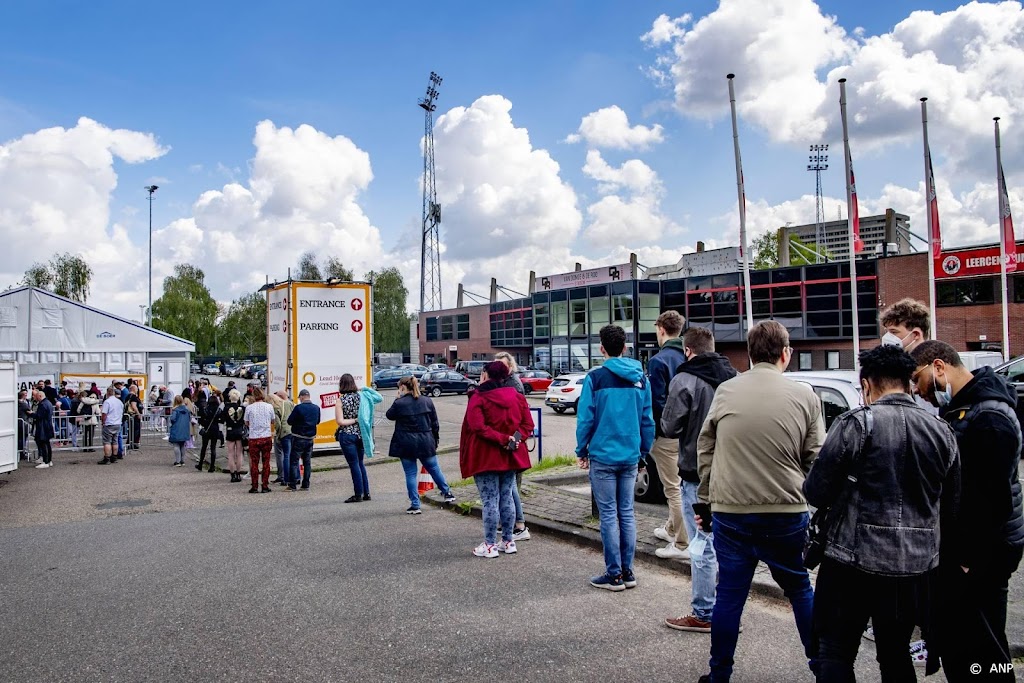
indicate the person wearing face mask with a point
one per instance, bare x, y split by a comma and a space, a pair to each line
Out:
889, 476
989, 534
906, 324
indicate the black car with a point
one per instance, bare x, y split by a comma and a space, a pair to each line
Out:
437, 383
388, 379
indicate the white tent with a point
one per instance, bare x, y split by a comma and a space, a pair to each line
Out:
49, 335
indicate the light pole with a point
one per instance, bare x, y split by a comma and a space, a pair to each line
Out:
150, 189
818, 163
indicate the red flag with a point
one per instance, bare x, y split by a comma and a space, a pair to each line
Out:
1006, 225
933, 208
858, 244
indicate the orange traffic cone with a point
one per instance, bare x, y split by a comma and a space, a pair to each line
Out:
424, 480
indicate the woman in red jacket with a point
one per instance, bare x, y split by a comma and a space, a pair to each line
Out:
490, 453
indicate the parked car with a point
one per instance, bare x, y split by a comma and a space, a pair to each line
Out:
194, 369
210, 369
1013, 371
256, 371
434, 367
564, 392
535, 380
416, 371
471, 368
388, 379
839, 390
437, 383
973, 360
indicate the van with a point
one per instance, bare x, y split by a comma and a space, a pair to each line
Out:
471, 368
973, 360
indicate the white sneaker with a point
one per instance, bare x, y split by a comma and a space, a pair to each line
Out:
672, 552
663, 535
521, 534
486, 549
507, 548
42, 466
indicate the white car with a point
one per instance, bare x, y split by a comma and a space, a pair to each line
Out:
839, 390
564, 392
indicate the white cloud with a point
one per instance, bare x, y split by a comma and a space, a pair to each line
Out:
501, 198
609, 127
776, 47
788, 57
633, 219
302, 194
55, 190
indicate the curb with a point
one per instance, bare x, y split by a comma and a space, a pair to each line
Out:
588, 538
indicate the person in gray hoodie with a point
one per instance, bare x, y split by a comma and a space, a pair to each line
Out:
689, 399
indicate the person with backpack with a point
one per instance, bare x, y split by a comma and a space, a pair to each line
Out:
133, 413
987, 540
885, 481
88, 411
234, 428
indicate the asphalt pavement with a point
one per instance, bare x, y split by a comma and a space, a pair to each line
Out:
143, 572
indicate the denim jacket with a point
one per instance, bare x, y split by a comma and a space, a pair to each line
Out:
905, 483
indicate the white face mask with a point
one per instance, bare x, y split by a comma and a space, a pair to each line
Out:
890, 339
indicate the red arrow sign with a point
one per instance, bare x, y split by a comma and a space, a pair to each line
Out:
357, 304
357, 325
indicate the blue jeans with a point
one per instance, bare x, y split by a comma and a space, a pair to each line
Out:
612, 486
283, 453
496, 495
120, 442
517, 500
352, 448
301, 451
412, 486
703, 578
777, 539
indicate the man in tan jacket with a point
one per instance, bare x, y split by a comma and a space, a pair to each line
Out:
760, 437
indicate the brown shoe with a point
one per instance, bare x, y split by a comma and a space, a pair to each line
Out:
689, 623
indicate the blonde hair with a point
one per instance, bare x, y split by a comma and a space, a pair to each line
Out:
233, 396
412, 384
178, 401
507, 358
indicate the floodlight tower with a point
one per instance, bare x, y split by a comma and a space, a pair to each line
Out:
430, 257
818, 163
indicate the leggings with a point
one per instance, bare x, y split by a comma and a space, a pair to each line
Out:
179, 452
209, 439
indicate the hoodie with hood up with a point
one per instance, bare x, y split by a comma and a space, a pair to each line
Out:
988, 434
689, 399
614, 423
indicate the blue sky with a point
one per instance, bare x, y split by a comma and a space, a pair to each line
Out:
199, 77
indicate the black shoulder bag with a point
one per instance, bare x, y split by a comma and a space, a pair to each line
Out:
821, 521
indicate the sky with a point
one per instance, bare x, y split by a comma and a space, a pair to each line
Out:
575, 131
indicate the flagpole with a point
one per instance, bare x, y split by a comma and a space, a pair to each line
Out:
850, 211
1003, 197
745, 253
934, 250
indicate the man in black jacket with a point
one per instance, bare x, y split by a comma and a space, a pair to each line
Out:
988, 539
689, 399
665, 451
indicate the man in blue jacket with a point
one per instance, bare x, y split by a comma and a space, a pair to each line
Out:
614, 434
303, 419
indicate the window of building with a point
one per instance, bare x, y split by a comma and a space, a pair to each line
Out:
622, 311
447, 327
541, 321
832, 360
578, 318
806, 360
599, 311
1018, 289
559, 318
432, 329
462, 326
973, 292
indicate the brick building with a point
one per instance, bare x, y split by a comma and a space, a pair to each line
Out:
556, 328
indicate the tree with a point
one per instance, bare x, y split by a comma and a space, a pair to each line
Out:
66, 274
766, 251
243, 330
390, 319
186, 309
310, 269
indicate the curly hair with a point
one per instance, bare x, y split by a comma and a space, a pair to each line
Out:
887, 367
909, 313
